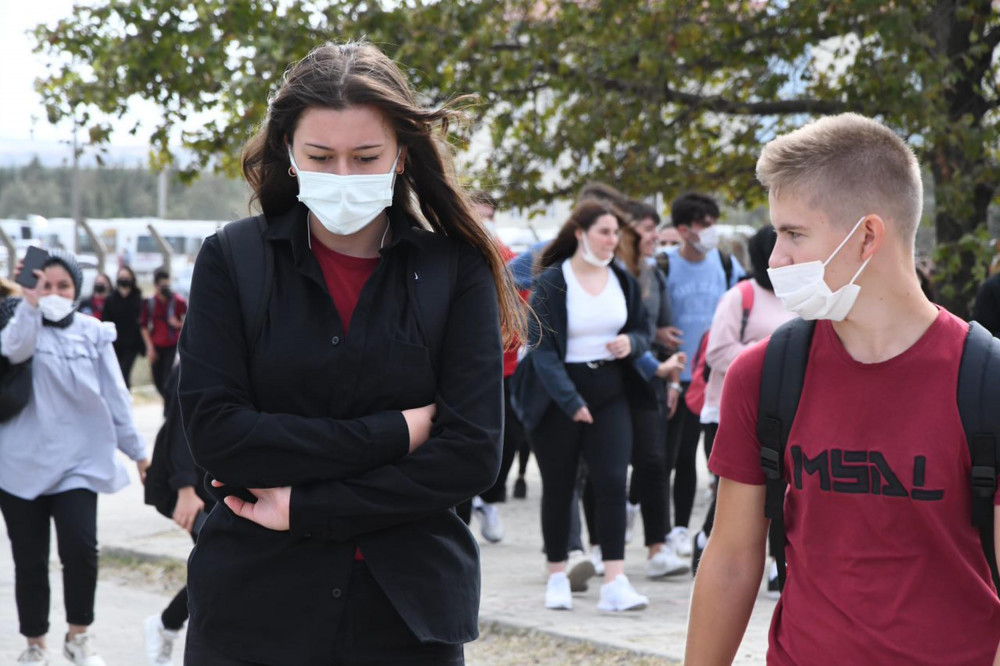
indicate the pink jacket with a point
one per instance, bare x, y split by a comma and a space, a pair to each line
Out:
724, 343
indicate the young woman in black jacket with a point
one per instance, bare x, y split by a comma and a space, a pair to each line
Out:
574, 388
340, 437
122, 309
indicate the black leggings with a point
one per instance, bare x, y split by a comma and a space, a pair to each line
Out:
513, 439
606, 445
683, 432
75, 515
126, 359
371, 633
710, 430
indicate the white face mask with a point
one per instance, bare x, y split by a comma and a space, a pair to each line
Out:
804, 292
345, 204
55, 308
589, 256
708, 239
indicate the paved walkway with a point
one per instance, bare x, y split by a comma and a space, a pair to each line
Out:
513, 584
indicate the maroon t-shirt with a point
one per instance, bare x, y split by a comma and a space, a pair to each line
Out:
345, 277
884, 565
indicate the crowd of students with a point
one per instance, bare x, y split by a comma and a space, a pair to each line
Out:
339, 387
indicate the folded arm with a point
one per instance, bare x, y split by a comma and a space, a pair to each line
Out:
234, 441
462, 457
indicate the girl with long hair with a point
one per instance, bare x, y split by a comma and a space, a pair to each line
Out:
340, 435
573, 391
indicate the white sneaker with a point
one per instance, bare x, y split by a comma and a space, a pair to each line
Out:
597, 559
159, 641
489, 521
34, 656
665, 563
680, 540
619, 595
631, 511
81, 651
557, 593
579, 569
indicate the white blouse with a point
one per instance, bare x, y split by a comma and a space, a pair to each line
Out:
79, 413
592, 320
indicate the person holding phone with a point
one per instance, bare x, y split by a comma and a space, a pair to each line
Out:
58, 452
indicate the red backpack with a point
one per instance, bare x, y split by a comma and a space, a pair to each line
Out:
694, 397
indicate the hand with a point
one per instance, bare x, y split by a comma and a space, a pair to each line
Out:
187, 507
419, 422
583, 415
30, 295
673, 364
673, 399
151, 354
175, 322
271, 510
142, 466
670, 337
620, 346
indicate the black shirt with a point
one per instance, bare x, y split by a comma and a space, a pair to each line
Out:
123, 312
319, 410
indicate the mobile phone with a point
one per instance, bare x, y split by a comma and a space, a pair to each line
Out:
34, 259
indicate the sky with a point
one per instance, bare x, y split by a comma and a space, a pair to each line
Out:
23, 125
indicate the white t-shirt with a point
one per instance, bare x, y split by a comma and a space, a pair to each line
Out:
592, 321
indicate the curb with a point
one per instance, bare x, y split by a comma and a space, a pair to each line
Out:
493, 625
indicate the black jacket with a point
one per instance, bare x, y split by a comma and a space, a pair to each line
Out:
171, 466
317, 409
123, 312
541, 377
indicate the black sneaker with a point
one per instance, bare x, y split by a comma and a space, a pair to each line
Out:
520, 488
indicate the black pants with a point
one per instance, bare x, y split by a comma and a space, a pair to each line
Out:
126, 359
371, 633
513, 439
606, 445
75, 515
650, 480
176, 613
710, 430
161, 367
683, 432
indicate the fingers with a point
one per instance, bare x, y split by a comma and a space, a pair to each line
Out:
240, 507
217, 484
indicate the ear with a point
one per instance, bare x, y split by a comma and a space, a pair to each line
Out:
873, 231
401, 163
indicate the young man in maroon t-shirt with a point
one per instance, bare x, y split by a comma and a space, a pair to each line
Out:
884, 565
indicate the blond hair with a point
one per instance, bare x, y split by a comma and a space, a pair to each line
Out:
847, 166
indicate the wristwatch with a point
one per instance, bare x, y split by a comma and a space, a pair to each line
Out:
675, 386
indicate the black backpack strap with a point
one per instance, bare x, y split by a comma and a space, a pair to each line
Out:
978, 400
250, 260
431, 279
781, 382
726, 260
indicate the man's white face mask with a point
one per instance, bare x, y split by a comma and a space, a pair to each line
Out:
803, 291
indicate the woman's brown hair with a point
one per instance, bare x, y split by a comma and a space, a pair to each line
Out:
582, 217
339, 76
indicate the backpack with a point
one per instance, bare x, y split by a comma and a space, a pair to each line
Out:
694, 397
781, 383
151, 305
433, 270
726, 259
15, 378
